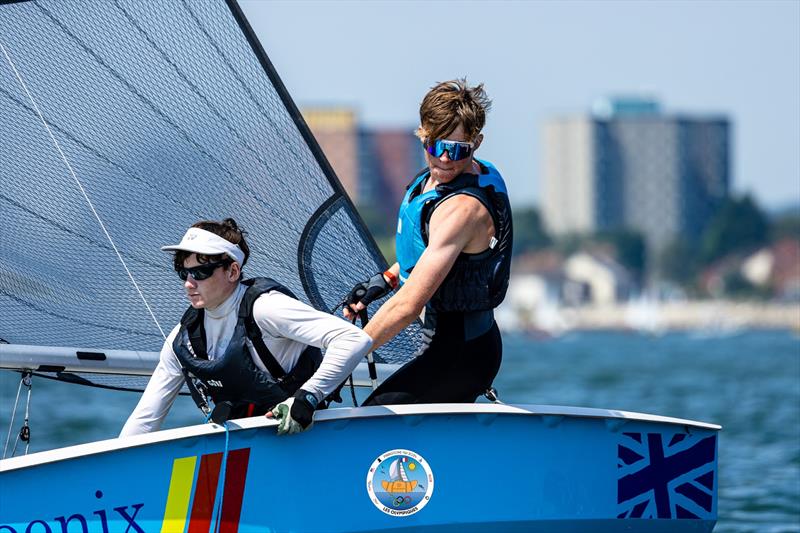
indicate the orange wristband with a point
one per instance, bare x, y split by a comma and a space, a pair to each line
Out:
393, 281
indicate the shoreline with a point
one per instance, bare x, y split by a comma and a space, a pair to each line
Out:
653, 316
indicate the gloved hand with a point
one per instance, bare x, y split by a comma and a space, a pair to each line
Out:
295, 414
368, 291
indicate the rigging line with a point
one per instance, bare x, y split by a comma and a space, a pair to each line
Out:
80, 186
64, 228
221, 482
96, 151
13, 414
25, 432
186, 135
106, 327
196, 89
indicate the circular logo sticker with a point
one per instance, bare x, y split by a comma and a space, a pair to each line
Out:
400, 482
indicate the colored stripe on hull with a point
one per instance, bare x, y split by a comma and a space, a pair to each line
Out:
205, 493
180, 490
235, 476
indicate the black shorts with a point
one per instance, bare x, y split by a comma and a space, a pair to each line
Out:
450, 370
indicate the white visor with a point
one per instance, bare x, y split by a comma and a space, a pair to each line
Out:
204, 242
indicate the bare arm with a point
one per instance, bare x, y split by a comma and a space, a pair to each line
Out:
395, 269
455, 225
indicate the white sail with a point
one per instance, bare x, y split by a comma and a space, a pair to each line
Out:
393, 470
102, 139
396, 470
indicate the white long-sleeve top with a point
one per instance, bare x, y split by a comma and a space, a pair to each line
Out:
287, 326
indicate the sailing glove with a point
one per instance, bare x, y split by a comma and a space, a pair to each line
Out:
368, 291
295, 414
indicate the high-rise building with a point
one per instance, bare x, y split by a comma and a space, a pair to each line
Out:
630, 166
336, 131
374, 164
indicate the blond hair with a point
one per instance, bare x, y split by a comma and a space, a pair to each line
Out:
452, 103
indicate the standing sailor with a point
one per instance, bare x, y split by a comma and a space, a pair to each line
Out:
453, 259
251, 344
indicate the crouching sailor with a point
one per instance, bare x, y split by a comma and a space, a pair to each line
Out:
248, 344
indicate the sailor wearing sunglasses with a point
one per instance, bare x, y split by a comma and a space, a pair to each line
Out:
249, 345
453, 259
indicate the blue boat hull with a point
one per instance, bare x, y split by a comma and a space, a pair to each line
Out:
485, 468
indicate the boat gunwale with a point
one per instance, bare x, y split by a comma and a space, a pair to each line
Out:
341, 413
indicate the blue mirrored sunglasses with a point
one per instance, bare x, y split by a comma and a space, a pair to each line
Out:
456, 150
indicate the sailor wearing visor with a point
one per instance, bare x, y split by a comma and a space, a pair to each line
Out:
453, 258
253, 347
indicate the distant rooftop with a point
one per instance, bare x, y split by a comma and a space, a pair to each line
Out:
625, 106
330, 117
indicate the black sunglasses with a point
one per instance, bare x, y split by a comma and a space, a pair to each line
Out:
200, 272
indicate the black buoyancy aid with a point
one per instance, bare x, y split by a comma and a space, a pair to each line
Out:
234, 376
476, 282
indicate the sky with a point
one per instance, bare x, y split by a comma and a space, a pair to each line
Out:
540, 59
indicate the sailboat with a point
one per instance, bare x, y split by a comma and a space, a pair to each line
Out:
124, 121
398, 479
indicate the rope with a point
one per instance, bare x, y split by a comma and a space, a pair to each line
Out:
373, 370
13, 415
491, 395
25, 431
221, 483
353, 391
80, 186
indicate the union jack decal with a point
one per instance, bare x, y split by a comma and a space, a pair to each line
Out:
666, 475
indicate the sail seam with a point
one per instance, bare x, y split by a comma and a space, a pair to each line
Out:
80, 186
65, 229
217, 114
243, 84
161, 114
100, 155
74, 320
305, 132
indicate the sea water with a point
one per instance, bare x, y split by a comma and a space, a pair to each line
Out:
746, 381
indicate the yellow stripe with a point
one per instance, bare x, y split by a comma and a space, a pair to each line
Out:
180, 492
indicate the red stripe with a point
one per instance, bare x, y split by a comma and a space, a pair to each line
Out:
250, 408
235, 476
205, 493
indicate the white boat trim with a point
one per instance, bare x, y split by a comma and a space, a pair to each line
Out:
345, 413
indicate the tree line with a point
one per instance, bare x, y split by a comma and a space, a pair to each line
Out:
740, 226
